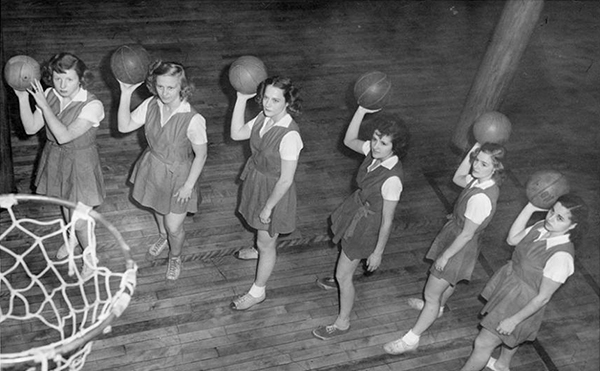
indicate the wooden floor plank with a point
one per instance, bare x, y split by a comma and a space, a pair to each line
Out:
431, 51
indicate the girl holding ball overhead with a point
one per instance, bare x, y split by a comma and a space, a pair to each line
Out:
518, 293
69, 167
456, 248
164, 178
363, 222
268, 194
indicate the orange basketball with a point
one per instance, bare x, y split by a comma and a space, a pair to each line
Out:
492, 127
246, 73
20, 71
129, 63
372, 90
544, 187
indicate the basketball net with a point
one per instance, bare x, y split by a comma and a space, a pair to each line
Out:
51, 309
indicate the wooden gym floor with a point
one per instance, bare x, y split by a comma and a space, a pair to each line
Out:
431, 51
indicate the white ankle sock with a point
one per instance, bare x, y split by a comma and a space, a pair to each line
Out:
336, 325
257, 291
411, 338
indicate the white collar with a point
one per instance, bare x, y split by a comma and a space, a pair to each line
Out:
482, 185
552, 241
183, 107
285, 121
389, 163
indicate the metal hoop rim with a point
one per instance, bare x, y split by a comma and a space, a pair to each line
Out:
32, 355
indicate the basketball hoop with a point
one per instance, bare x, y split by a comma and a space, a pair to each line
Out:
49, 311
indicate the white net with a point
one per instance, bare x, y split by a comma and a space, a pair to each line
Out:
51, 308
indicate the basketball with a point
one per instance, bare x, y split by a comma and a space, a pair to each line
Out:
492, 127
20, 71
246, 73
372, 90
129, 63
544, 187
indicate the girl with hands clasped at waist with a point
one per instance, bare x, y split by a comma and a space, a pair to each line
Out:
518, 292
69, 167
456, 247
363, 223
165, 177
268, 194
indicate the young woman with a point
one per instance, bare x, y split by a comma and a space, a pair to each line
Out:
517, 294
164, 178
456, 248
363, 223
268, 195
69, 167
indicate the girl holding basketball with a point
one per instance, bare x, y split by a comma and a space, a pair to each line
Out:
517, 294
363, 223
69, 166
456, 247
268, 194
164, 178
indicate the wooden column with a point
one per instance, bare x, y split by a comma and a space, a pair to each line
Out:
7, 177
499, 64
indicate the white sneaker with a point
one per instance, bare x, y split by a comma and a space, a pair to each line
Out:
87, 272
246, 301
247, 253
399, 347
174, 268
159, 246
89, 268
62, 252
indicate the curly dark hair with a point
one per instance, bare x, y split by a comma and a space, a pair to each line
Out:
290, 92
395, 127
579, 215
160, 68
62, 62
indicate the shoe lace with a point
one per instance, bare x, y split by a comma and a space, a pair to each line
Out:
243, 298
158, 245
174, 266
87, 272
